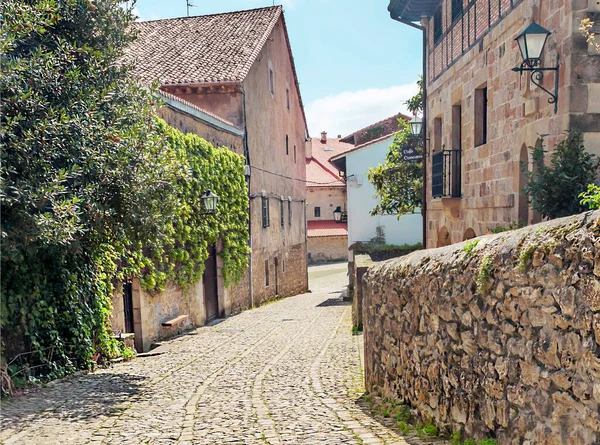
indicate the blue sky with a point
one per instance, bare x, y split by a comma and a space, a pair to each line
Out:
355, 65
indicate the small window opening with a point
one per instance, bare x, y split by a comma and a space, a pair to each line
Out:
271, 81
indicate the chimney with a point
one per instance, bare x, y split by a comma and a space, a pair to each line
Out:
323, 137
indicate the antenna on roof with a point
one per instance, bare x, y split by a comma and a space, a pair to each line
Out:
189, 5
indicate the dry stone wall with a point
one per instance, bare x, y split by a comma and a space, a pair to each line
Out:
497, 337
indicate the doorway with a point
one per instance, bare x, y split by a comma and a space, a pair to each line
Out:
276, 276
209, 278
128, 307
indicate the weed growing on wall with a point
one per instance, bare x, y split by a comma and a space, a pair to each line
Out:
484, 274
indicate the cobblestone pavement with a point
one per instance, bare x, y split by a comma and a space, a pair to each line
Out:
285, 373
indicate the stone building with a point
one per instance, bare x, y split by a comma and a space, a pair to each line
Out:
231, 79
326, 193
482, 117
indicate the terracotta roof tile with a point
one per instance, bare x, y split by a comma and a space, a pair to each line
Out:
318, 167
319, 229
203, 49
317, 175
377, 130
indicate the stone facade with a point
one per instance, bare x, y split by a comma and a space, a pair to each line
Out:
267, 123
477, 51
327, 249
499, 338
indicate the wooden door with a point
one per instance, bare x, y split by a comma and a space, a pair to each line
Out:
211, 294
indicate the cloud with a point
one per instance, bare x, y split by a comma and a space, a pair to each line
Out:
349, 111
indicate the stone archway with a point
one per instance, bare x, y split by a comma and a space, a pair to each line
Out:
443, 237
469, 234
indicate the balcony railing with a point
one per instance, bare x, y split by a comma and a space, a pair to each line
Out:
446, 174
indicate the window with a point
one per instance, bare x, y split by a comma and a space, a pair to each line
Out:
287, 97
437, 25
437, 134
457, 9
290, 213
294, 154
456, 126
281, 212
266, 273
287, 145
271, 81
481, 118
317, 212
265, 212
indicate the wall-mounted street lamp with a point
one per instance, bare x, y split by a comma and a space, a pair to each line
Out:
531, 43
337, 214
209, 199
416, 126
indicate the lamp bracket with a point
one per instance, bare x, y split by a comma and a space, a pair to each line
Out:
537, 77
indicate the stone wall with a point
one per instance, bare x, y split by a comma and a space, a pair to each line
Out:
360, 266
499, 338
324, 249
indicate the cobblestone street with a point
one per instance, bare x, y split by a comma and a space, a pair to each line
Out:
285, 373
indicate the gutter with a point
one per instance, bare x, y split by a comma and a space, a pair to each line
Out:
424, 204
248, 176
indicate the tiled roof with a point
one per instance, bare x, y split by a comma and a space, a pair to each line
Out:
203, 49
319, 229
317, 175
318, 168
360, 147
375, 131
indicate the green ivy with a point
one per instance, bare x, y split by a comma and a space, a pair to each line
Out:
94, 188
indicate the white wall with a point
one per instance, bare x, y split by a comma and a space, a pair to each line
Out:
361, 199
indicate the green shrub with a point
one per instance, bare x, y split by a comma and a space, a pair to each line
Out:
95, 189
554, 189
591, 198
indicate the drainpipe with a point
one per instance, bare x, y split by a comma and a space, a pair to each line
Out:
424, 204
249, 176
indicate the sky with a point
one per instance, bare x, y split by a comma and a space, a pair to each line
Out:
355, 65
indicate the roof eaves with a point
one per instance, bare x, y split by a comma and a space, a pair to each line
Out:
261, 42
397, 115
360, 147
289, 46
413, 10
199, 113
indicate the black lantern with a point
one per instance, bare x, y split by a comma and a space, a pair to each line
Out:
416, 125
531, 43
210, 200
337, 214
